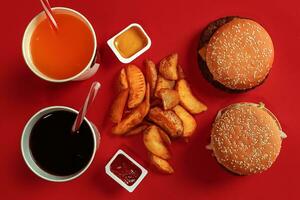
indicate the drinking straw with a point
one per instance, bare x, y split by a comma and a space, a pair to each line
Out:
49, 13
88, 101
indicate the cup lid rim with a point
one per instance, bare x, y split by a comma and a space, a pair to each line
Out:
59, 178
45, 77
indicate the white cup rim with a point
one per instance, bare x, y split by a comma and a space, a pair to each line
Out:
34, 168
41, 75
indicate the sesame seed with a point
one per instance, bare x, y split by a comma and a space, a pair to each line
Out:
246, 137
239, 54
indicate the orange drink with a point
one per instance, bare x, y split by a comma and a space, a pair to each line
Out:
63, 53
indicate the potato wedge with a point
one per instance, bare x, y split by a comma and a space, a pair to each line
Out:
187, 99
167, 120
137, 130
130, 121
151, 75
169, 97
164, 136
137, 85
118, 106
154, 143
189, 122
144, 107
180, 72
163, 83
122, 82
161, 164
168, 67
135, 117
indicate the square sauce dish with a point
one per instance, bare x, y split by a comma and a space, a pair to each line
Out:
130, 43
125, 170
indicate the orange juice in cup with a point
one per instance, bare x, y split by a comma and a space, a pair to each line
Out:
64, 54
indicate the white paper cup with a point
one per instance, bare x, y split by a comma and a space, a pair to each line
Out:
27, 155
89, 70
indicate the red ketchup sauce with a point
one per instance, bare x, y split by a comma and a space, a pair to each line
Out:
125, 170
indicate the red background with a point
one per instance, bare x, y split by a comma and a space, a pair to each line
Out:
173, 26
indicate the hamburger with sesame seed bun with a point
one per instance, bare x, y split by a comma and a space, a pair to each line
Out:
246, 138
235, 54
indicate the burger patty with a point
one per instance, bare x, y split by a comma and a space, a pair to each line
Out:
205, 36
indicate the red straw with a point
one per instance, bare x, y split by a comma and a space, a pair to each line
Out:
49, 13
88, 101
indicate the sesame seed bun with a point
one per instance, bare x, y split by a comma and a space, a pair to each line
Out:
246, 138
235, 54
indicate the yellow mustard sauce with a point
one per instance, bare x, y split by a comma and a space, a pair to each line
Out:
130, 42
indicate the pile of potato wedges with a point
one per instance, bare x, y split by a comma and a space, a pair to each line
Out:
160, 105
